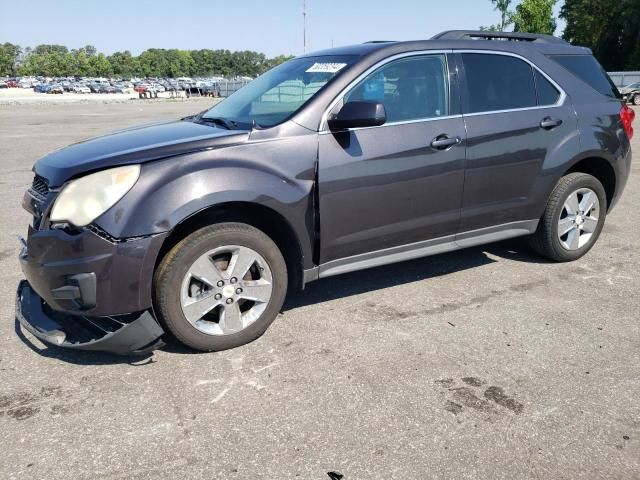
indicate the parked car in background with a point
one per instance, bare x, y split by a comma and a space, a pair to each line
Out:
55, 89
79, 88
121, 89
106, 89
28, 82
41, 88
631, 93
4, 84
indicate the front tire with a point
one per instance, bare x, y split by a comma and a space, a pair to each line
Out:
636, 100
220, 287
573, 218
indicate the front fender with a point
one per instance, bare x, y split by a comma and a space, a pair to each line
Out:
171, 190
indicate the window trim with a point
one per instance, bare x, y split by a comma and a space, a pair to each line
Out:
536, 84
559, 103
324, 127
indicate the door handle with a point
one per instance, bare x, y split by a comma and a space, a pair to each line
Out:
549, 123
442, 142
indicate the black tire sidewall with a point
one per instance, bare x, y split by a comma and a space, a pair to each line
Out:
576, 183
169, 276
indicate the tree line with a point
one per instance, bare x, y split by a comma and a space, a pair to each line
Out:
610, 28
59, 61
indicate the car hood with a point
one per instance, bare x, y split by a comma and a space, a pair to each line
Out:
625, 90
134, 145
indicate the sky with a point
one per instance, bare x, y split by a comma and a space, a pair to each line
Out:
273, 27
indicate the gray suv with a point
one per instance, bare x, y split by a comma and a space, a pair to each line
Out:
332, 162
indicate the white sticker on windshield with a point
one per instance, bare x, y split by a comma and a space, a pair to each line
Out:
326, 67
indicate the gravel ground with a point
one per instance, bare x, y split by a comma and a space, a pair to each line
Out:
486, 363
26, 96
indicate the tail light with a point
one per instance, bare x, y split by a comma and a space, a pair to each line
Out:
627, 115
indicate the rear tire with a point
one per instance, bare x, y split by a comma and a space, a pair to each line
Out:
220, 287
572, 220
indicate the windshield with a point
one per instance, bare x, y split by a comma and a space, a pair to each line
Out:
273, 97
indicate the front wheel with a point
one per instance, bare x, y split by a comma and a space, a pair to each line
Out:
573, 218
220, 287
636, 100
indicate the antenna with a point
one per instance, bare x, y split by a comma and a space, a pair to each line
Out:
304, 26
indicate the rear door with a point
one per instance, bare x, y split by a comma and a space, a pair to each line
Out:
520, 125
387, 186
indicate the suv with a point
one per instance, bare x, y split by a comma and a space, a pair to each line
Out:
332, 162
631, 93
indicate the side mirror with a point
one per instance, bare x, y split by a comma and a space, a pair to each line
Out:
358, 114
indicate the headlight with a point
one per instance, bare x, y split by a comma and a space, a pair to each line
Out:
85, 199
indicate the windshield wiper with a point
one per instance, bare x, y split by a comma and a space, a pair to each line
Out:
191, 118
228, 124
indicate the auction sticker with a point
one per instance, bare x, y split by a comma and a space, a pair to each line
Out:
326, 67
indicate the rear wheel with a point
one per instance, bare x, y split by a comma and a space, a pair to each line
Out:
636, 100
573, 218
220, 287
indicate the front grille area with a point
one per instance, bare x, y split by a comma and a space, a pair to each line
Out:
40, 186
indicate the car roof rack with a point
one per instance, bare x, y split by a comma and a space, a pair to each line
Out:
380, 41
508, 36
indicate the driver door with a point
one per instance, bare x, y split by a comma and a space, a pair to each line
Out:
387, 186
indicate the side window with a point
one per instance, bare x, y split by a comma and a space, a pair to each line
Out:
587, 68
412, 88
498, 82
547, 93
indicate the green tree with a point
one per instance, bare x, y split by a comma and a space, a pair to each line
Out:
123, 64
275, 61
535, 16
9, 56
100, 66
506, 15
58, 60
610, 28
83, 68
50, 49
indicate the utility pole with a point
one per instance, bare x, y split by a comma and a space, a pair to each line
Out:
304, 26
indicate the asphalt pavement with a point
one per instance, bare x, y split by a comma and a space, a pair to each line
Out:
488, 363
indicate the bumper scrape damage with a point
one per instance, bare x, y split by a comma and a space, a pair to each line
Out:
87, 290
120, 334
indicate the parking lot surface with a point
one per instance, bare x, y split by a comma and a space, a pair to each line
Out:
489, 363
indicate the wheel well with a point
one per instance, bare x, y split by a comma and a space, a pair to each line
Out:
263, 218
602, 170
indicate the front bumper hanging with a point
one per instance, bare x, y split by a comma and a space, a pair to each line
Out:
121, 334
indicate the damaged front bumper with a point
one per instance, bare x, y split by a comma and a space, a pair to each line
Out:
121, 334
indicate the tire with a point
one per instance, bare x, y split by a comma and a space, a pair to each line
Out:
546, 240
175, 281
636, 100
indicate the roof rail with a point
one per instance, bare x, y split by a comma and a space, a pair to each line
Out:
509, 36
380, 41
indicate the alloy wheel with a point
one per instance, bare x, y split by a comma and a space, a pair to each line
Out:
226, 289
579, 219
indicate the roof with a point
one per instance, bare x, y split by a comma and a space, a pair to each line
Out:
463, 39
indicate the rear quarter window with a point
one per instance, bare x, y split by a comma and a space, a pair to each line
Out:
587, 69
